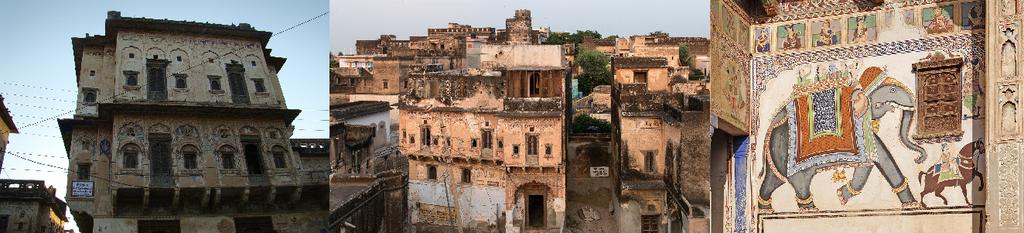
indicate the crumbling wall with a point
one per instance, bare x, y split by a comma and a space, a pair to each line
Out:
476, 205
497, 57
590, 200
426, 91
640, 135
520, 28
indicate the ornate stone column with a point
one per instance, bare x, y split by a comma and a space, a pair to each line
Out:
1003, 121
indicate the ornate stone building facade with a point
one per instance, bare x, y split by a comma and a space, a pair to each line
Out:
863, 112
182, 127
1003, 207
486, 149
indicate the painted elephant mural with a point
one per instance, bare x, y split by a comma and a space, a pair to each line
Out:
831, 121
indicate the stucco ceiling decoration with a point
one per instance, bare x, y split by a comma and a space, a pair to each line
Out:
771, 7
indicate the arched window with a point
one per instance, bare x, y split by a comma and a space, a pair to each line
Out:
431, 172
90, 96
180, 81
130, 156
227, 157
279, 157
534, 84
190, 155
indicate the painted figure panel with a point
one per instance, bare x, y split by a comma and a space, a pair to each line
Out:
826, 33
762, 40
972, 15
791, 36
862, 29
938, 20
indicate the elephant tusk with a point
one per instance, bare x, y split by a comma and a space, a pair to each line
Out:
901, 107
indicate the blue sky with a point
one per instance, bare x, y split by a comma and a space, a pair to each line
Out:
35, 50
352, 20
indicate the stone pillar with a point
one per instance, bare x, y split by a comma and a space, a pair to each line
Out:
1003, 121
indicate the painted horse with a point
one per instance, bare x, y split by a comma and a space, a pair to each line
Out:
968, 169
875, 96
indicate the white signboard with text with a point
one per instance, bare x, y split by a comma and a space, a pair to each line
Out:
81, 188
598, 171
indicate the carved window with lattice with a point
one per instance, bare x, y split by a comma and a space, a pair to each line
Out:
939, 98
130, 155
190, 157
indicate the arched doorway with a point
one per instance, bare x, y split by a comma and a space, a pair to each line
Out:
253, 160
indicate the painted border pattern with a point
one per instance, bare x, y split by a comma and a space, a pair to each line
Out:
807, 9
1009, 209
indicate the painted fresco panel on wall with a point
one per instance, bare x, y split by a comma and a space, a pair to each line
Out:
791, 36
826, 33
868, 105
731, 46
938, 20
862, 29
972, 15
869, 101
909, 16
728, 24
763, 40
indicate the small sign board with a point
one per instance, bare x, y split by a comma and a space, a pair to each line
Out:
598, 171
81, 188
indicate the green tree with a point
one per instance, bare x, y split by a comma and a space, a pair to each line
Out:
658, 34
684, 57
595, 70
586, 124
560, 38
557, 38
334, 63
697, 74
579, 36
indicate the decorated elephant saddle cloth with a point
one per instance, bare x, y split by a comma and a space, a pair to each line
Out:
823, 129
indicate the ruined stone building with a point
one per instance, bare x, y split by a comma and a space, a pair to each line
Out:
652, 73
378, 70
30, 206
314, 155
182, 127
486, 147
597, 105
519, 30
656, 45
363, 126
7, 127
867, 113
446, 48
368, 173
659, 148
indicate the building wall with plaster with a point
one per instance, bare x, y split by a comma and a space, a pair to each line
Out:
894, 154
484, 124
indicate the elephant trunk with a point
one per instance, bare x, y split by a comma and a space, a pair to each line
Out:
908, 117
